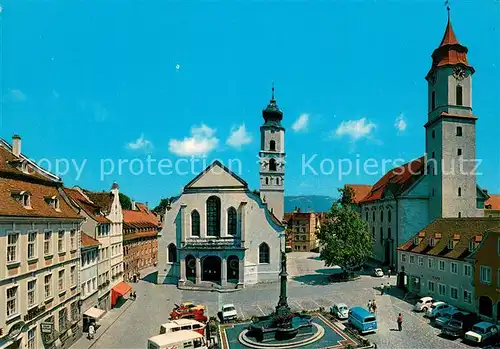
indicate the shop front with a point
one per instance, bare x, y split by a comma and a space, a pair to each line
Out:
92, 316
119, 292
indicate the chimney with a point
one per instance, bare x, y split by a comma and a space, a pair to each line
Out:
16, 145
133, 205
147, 206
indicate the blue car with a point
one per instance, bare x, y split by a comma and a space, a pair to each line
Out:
362, 320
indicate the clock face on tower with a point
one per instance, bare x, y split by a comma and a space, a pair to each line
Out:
459, 73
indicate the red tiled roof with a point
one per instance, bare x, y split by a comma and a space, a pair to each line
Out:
103, 200
9, 167
360, 191
140, 215
88, 206
493, 203
88, 241
396, 180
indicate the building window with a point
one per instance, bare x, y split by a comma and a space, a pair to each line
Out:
366, 215
60, 241
381, 235
459, 191
467, 297
433, 155
459, 131
442, 290
232, 218
467, 270
172, 253
48, 286
453, 292
272, 165
12, 242
381, 216
32, 338
47, 243
373, 233
459, 152
31, 293
72, 275
195, 223
420, 261
26, 199
441, 265
431, 286
454, 268
433, 100
11, 301
213, 216
412, 259
432, 242
450, 244
471, 245
389, 233
72, 240
373, 216
263, 253
403, 257
485, 274
32, 244
433, 134
272, 145
459, 214
267, 180
61, 280
389, 216
74, 311
459, 95
62, 319
430, 263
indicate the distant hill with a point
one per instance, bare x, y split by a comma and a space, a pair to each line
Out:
315, 203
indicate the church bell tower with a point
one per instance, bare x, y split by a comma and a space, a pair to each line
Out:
272, 159
451, 131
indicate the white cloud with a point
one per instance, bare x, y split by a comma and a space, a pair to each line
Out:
301, 123
201, 142
400, 123
15, 95
141, 144
239, 137
355, 129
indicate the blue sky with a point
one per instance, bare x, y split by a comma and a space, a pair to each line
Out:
92, 80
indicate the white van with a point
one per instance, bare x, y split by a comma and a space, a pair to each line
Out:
181, 325
179, 339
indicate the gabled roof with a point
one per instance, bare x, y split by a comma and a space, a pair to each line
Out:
86, 205
209, 178
140, 215
360, 191
493, 203
88, 241
396, 180
103, 200
459, 230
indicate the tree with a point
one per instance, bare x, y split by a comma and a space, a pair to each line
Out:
347, 195
162, 206
344, 237
125, 202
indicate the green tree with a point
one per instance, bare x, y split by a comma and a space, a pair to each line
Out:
125, 202
162, 206
344, 237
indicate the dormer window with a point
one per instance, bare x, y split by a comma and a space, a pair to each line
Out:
23, 197
416, 241
471, 245
53, 201
451, 245
432, 242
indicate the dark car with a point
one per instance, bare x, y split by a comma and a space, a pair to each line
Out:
459, 324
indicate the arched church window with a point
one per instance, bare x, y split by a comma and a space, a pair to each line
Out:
231, 221
459, 95
263, 253
172, 253
272, 145
195, 223
389, 216
272, 165
213, 216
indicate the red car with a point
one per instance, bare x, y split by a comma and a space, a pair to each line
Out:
187, 313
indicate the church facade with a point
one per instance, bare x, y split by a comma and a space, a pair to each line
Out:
218, 233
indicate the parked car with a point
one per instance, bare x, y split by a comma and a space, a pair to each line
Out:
192, 306
186, 313
228, 312
437, 309
483, 332
443, 319
340, 310
362, 320
459, 325
377, 272
423, 304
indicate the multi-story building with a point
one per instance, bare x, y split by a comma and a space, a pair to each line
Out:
442, 183
492, 205
89, 271
486, 261
302, 229
39, 263
140, 240
436, 260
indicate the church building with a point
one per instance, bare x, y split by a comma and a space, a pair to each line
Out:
219, 233
442, 183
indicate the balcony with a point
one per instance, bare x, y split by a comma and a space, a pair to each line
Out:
217, 243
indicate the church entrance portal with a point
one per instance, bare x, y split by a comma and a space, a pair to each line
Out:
233, 269
211, 269
191, 268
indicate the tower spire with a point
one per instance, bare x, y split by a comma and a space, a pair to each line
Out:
272, 92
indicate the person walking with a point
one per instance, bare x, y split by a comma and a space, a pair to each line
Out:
374, 306
389, 273
370, 305
400, 322
91, 331
382, 286
387, 287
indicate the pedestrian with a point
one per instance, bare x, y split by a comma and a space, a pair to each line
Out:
374, 306
382, 289
387, 288
389, 273
400, 322
370, 305
91, 331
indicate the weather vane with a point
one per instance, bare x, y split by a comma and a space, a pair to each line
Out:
272, 97
447, 4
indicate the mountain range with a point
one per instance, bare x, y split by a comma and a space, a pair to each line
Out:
313, 203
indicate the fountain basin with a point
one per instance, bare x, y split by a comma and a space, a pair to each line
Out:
266, 328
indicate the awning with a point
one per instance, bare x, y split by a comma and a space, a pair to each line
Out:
94, 313
122, 288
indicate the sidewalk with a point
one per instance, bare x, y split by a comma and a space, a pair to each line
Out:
104, 324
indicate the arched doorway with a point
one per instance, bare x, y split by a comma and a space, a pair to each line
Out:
233, 269
485, 306
211, 269
191, 268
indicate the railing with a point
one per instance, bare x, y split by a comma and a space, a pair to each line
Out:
215, 242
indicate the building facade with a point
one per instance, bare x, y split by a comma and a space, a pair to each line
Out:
301, 230
442, 183
40, 237
436, 260
89, 260
140, 240
492, 206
